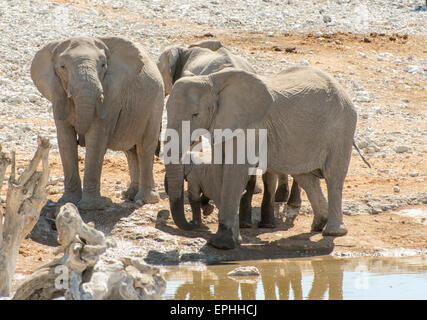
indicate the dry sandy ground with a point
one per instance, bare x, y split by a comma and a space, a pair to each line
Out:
368, 234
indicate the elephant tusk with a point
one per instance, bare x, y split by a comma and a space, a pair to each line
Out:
101, 98
69, 95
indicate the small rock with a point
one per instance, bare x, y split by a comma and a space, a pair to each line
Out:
327, 19
362, 55
244, 271
401, 149
413, 174
396, 189
304, 62
362, 98
163, 216
414, 69
116, 6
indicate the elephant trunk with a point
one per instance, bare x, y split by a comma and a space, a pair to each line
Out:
174, 184
85, 113
87, 93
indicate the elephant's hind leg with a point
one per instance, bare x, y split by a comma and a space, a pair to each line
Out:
335, 226
245, 209
335, 172
282, 192
132, 159
295, 197
146, 187
267, 205
311, 184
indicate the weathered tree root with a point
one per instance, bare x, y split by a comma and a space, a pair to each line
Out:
81, 274
25, 198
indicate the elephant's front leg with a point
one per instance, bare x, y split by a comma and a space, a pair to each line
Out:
234, 181
206, 206
67, 143
96, 146
196, 206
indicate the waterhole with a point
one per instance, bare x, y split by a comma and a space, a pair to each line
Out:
323, 277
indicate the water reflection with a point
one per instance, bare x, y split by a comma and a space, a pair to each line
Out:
306, 278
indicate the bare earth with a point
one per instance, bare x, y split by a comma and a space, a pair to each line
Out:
369, 234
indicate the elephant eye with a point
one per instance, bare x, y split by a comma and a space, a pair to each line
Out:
62, 67
104, 65
194, 114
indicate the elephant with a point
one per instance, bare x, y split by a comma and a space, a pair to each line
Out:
204, 58
106, 93
310, 123
200, 58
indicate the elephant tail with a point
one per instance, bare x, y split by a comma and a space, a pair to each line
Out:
361, 155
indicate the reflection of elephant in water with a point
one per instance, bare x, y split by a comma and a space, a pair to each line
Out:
328, 274
310, 123
198, 289
109, 93
284, 277
203, 287
205, 58
276, 278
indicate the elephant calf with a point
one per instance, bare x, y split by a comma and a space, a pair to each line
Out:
108, 93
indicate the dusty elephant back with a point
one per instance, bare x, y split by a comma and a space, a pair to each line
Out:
203, 61
312, 115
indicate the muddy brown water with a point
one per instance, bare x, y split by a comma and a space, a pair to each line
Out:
322, 277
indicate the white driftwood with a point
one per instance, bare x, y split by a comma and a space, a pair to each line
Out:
26, 197
89, 276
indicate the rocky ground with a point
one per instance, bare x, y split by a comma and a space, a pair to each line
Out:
376, 49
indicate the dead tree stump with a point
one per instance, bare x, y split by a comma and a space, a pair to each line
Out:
84, 273
25, 198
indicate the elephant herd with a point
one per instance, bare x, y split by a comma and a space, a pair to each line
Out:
107, 93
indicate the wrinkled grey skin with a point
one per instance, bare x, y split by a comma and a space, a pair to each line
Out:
310, 123
204, 58
106, 93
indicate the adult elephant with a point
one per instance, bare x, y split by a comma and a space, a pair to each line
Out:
310, 123
204, 58
106, 93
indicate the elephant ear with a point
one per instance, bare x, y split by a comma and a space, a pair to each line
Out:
125, 61
243, 99
46, 80
170, 67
